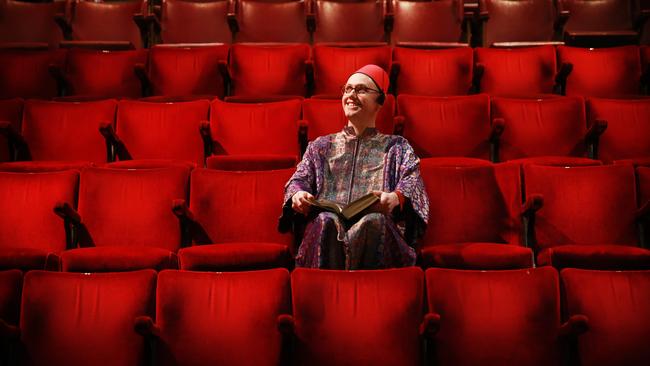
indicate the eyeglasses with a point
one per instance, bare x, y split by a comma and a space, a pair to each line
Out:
358, 89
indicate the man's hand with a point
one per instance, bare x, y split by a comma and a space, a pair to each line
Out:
300, 203
387, 201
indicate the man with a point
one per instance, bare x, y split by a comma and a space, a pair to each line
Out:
345, 166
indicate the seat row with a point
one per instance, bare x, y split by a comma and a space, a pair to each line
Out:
45, 135
246, 70
481, 217
138, 23
381, 317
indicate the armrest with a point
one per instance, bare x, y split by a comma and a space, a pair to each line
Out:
389, 21
146, 327
286, 324
65, 211
640, 20
395, 68
140, 71
398, 125
231, 17
560, 22
563, 72
303, 140
182, 210
595, 130
64, 24
533, 204
206, 136
576, 325
496, 130
112, 139
8, 331
222, 66
142, 21
309, 76
430, 325
311, 22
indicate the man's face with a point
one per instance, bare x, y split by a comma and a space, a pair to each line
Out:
360, 106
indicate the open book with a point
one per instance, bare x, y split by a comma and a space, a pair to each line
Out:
347, 211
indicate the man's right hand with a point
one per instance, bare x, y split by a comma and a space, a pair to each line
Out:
300, 202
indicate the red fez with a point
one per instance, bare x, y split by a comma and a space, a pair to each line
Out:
377, 74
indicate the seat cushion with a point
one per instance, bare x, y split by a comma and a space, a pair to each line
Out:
601, 257
477, 256
116, 259
556, 161
23, 258
234, 256
251, 162
150, 164
43, 166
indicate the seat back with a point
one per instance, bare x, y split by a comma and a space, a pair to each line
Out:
615, 303
259, 70
122, 207
344, 21
25, 73
584, 205
107, 21
274, 21
427, 21
326, 116
195, 21
447, 126
541, 127
228, 204
434, 72
368, 317
518, 21
495, 317
85, 319
599, 16
163, 130
26, 22
218, 318
11, 110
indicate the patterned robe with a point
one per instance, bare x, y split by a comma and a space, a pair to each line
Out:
343, 167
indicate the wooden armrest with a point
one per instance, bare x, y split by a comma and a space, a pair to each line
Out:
576, 325
65, 211
430, 325
533, 204
595, 130
496, 129
182, 210
560, 22
64, 24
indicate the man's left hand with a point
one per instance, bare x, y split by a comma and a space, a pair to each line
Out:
387, 201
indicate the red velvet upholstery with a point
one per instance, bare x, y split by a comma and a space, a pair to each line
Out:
333, 65
25, 22
517, 71
346, 21
226, 205
194, 22
104, 74
43, 166
85, 319
25, 74
643, 176
149, 164
265, 129
107, 21
427, 21
259, 70
11, 110
447, 126
358, 317
163, 130
29, 229
66, 131
11, 284
628, 127
605, 72
562, 161
453, 162
518, 21
592, 211
250, 162
127, 213
180, 71
325, 116
541, 127
478, 207
600, 16
616, 304
433, 72
221, 318
275, 21
495, 317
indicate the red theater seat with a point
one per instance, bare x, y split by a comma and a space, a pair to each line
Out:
616, 305
333, 65
272, 21
60, 135
242, 132
496, 317
588, 218
268, 70
508, 23
124, 221
159, 131
325, 116
432, 72
103, 74
219, 318
344, 21
446, 126
435, 23
102, 24
184, 21
605, 72
79, 319
25, 73
176, 71
534, 128
11, 110
628, 127
517, 71
223, 210
30, 24
357, 317
29, 229
474, 218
